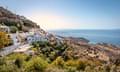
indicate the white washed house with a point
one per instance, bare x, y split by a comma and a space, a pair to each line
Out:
5, 28
15, 39
36, 38
32, 36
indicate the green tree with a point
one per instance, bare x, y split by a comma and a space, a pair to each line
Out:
13, 29
19, 62
36, 65
81, 64
4, 39
59, 62
7, 65
27, 23
70, 65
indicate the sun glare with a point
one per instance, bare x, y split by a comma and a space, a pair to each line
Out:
49, 21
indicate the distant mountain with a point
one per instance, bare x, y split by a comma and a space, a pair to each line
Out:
11, 19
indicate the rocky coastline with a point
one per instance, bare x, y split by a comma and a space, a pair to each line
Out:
102, 51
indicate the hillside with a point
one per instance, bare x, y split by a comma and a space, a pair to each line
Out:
11, 19
101, 51
57, 53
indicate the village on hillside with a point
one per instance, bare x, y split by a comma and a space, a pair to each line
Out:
26, 47
21, 42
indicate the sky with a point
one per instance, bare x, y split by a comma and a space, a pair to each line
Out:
68, 14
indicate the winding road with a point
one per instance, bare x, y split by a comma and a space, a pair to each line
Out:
9, 49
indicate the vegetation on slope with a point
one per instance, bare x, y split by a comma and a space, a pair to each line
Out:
4, 39
51, 56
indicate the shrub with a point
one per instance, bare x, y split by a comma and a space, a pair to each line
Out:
70, 65
34, 49
19, 61
59, 62
9, 68
2, 60
4, 39
7, 65
81, 64
52, 56
36, 65
96, 63
26, 23
13, 29
54, 69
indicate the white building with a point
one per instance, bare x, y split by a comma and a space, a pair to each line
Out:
36, 38
33, 36
15, 39
5, 28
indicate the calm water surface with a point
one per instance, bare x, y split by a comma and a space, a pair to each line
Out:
95, 36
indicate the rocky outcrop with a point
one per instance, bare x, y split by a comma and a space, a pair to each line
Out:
101, 51
6, 13
76, 40
9, 18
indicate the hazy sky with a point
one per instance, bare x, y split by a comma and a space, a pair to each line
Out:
68, 14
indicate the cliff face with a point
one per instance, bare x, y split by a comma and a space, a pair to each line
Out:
10, 19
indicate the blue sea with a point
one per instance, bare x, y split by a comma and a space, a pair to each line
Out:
94, 36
